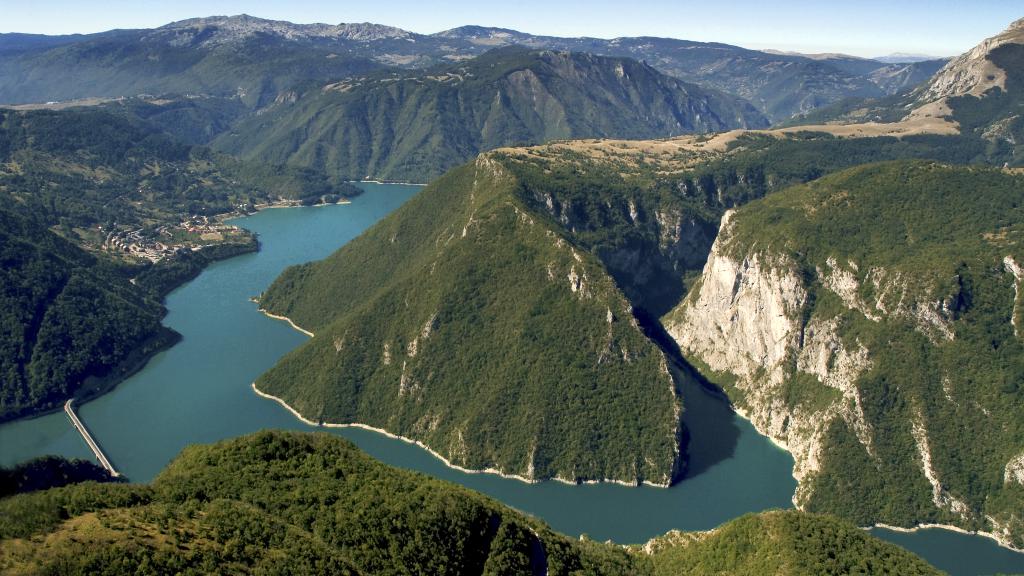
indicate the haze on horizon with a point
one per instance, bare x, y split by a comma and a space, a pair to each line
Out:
868, 28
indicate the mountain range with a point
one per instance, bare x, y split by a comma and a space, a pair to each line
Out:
415, 125
256, 59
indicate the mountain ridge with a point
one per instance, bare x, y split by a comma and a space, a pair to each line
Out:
415, 125
768, 81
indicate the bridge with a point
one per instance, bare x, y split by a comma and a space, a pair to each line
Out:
70, 411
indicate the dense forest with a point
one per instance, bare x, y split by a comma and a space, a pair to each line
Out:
277, 502
65, 315
47, 472
466, 323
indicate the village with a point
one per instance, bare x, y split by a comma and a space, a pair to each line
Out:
155, 244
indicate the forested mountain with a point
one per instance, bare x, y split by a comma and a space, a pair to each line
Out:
66, 315
312, 503
78, 189
416, 125
646, 215
422, 323
779, 85
469, 322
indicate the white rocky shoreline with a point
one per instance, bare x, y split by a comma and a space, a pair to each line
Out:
435, 454
779, 443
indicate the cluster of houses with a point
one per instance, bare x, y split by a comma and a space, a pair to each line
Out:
136, 243
161, 243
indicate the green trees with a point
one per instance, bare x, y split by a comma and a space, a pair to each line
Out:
415, 125
66, 315
277, 502
782, 543
465, 321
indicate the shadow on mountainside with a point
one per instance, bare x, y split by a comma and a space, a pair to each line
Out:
710, 434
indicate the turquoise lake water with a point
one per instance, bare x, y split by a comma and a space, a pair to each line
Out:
199, 392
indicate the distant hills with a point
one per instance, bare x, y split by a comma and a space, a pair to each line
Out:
279, 502
780, 85
905, 58
981, 91
415, 125
257, 59
372, 101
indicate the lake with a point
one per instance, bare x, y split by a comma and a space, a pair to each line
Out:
199, 392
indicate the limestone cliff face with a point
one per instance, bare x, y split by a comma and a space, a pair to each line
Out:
745, 319
972, 73
784, 337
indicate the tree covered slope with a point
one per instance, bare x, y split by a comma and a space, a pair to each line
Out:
870, 321
780, 542
66, 315
468, 322
447, 322
277, 502
416, 125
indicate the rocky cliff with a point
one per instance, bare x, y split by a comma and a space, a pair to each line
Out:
973, 72
875, 349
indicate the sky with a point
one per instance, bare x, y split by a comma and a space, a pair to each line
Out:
859, 27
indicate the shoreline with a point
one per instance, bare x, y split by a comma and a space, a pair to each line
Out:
775, 441
289, 204
925, 526
435, 454
929, 526
235, 214
736, 409
95, 386
385, 182
290, 323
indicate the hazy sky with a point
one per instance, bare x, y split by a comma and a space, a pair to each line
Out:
860, 27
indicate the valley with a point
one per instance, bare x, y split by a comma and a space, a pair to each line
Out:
192, 395
651, 285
